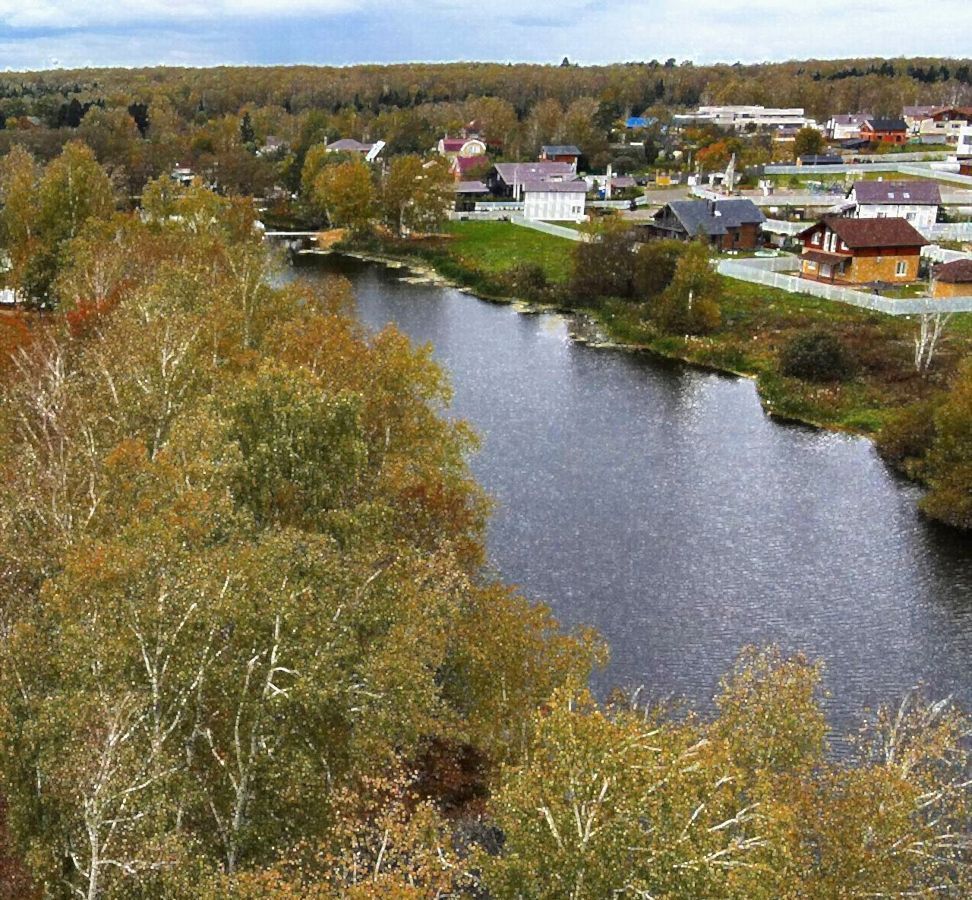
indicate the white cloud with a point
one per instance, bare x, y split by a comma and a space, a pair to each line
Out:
116, 32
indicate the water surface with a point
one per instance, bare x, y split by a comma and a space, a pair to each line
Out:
660, 504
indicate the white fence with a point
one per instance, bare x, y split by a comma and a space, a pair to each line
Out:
937, 174
948, 231
772, 273
500, 206
940, 254
548, 228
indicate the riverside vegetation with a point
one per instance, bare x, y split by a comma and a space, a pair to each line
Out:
249, 649
856, 368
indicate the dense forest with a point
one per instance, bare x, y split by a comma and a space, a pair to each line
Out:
140, 122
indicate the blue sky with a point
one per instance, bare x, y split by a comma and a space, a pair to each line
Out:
70, 33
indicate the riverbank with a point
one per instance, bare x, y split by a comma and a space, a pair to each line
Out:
503, 263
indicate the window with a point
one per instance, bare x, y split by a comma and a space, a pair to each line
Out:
817, 239
901, 268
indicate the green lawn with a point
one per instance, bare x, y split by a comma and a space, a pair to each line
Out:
493, 247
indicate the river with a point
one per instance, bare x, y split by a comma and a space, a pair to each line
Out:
660, 504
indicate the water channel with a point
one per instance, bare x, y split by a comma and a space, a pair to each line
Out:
660, 504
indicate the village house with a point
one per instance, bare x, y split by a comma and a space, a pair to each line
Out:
913, 116
943, 126
461, 147
861, 251
963, 151
952, 279
273, 146
846, 127
461, 166
348, 145
732, 224
564, 153
554, 201
884, 131
468, 194
506, 180
746, 118
916, 201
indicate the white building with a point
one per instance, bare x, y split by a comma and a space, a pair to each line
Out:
554, 201
916, 201
964, 146
740, 117
847, 127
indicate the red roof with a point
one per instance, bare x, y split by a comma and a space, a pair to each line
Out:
861, 233
453, 145
464, 164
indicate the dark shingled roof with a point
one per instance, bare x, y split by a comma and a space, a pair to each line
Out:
957, 272
910, 193
861, 233
560, 150
714, 217
886, 124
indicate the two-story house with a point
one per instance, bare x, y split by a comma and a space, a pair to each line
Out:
916, 201
885, 131
861, 251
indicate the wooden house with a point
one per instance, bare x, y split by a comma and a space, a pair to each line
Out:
733, 224
953, 279
565, 153
861, 251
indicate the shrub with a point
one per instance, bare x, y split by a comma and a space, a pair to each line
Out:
816, 356
527, 280
907, 437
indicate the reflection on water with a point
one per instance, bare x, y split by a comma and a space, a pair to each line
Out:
661, 505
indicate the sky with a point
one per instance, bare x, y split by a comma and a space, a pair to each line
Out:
42, 34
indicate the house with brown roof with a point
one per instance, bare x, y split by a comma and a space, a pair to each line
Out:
861, 251
953, 279
885, 131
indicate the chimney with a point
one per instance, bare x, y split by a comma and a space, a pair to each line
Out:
607, 184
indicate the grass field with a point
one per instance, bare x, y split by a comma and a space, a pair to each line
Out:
494, 247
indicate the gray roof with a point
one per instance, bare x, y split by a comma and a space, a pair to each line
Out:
887, 124
560, 150
471, 187
534, 171
714, 217
349, 144
554, 187
909, 193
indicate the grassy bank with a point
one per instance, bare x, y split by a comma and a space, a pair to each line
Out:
757, 322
